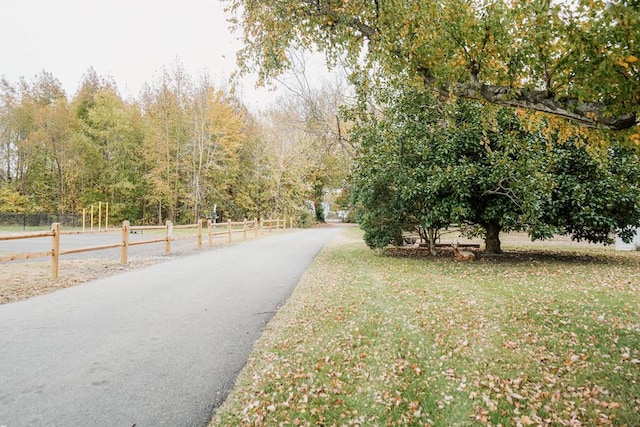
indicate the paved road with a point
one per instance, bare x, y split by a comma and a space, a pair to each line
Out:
159, 346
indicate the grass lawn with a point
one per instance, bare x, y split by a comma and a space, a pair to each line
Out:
534, 338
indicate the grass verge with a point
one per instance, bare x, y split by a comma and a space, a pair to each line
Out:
377, 340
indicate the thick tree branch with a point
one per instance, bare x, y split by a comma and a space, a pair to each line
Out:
334, 15
583, 113
587, 114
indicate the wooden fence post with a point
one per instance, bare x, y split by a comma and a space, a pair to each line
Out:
168, 236
229, 229
55, 249
290, 222
84, 217
270, 224
261, 227
209, 232
124, 251
106, 217
244, 230
99, 216
200, 233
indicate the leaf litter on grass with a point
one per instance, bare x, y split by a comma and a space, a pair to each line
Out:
378, 340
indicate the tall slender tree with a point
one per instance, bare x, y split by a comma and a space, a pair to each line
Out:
215, 141
165, 136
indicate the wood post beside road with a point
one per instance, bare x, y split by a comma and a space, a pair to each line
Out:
168, 236
124, 251
55, 249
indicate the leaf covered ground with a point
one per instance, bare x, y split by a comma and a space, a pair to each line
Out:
537, 337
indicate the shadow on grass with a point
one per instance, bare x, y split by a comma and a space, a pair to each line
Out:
519, 256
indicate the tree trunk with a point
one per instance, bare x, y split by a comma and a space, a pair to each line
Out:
492, 239
431, 232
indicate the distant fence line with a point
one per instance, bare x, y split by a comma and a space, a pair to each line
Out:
39, 220
202, 227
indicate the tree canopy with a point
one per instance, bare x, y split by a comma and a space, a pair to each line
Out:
576, 59
430, 165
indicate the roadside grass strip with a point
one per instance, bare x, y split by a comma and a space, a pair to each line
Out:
369, 339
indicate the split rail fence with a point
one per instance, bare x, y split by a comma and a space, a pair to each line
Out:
203, 229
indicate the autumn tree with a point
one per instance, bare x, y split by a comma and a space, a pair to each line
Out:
289, 161
25, 160
11, 133
113, 152
165, 134
11, 137
39, 131
574, 59
215, 140
314, 108
252, 190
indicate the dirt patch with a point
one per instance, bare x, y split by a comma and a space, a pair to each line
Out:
24, 279
27, 279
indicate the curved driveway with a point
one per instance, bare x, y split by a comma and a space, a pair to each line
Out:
160, 346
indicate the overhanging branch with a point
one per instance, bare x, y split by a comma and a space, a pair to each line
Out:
585, 113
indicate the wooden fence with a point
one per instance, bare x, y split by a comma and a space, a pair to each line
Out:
228, 229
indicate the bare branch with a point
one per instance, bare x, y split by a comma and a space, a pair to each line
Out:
507, 192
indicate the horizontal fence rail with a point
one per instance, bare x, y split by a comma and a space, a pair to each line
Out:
227, 229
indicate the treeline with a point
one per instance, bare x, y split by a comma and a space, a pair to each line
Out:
182, 147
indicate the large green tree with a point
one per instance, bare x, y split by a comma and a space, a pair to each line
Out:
428, 164
576, 59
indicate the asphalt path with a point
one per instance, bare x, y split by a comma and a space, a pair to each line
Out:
159, 346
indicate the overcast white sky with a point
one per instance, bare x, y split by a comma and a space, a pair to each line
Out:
129, 40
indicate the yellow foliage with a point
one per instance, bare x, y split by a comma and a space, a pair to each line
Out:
12, 201
459, 62
622, 64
